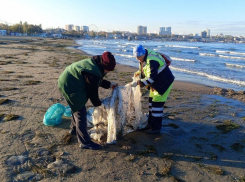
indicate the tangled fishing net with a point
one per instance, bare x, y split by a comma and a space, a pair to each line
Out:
122, 114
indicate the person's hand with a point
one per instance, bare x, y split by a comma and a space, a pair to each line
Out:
102, 106
113, 85
136, 74
133, 84
141, 84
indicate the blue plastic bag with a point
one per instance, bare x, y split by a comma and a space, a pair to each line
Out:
54, 114
67, 111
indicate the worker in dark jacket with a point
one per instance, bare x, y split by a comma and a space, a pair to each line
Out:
79, 82
155, 75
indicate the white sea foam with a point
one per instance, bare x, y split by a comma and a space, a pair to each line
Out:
121, 46
182, 59
235, 65
125, 50
129, 43
156, 49
97, 46
231, 52
124, 55
227, 52
239, 53
181, 46
207, 54
212, 77
231, 57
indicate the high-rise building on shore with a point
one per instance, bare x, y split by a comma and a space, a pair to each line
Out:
145, 30
168, 29
164, 31
208, 32
76, 28
69, 27
141, 30
85, 28
204, 34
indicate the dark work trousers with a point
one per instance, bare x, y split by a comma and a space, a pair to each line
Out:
79, 126
155, 114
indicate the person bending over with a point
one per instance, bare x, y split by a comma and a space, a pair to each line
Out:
79, 82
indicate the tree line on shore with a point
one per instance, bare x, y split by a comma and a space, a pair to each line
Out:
21, 28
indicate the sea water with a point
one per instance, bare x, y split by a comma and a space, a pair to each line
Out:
211, 64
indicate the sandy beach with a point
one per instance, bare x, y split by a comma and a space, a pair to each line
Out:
202, 138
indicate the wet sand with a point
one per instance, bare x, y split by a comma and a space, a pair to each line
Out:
202, 136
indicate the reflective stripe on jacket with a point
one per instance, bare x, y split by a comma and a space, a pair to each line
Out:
161, 86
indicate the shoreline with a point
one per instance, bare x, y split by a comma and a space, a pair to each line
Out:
188, 85
204, 78
135, 68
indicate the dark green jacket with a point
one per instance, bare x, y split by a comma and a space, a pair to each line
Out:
72, 84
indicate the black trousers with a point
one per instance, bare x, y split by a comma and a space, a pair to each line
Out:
155, 114
79, 126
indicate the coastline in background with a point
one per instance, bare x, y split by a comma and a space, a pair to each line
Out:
212, 64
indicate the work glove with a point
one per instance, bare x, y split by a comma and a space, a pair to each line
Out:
113, 85
136, 74
134, 84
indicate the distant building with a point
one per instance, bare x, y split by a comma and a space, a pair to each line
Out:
69, 27
161, 29
204, 34
145, 30
208, 32
141, 30
164, 31
109, 35
168, 29
76, 28
195, 35
85, 28
3, 32
117, 36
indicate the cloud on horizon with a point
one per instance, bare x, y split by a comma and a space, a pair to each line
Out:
231, 28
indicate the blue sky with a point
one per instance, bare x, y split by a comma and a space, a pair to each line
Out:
184, 16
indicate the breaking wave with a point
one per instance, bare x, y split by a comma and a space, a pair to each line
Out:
124, 55
231, 52
231, 57
224, 52
156, 49
212, 77
121, 46
126, 50
235, 65
181, 46
239, 53
207, 54
182, 59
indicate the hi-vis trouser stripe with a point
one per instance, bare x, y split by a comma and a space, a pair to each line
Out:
157, 114
150, 103
156, 108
